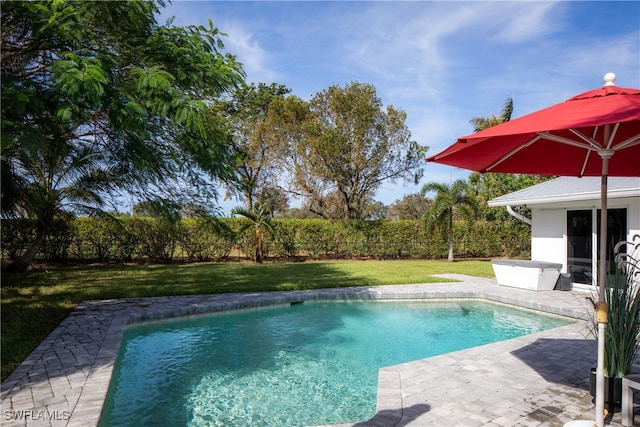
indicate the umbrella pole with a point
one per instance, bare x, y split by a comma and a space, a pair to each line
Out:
600, 376
601, 312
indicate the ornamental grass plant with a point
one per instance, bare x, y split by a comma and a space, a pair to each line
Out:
623, 326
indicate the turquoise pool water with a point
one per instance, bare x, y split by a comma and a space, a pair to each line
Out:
295, 365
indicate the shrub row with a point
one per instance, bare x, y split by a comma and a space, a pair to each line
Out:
159, 240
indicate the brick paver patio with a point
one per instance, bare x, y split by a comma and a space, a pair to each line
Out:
536, 380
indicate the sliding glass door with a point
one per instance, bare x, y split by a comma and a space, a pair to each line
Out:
580, 246
583, 236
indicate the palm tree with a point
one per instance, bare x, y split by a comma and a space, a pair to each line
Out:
449, 201
54, 177
260, 219
482, 123
489, 185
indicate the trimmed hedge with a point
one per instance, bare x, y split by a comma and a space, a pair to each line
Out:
199, 239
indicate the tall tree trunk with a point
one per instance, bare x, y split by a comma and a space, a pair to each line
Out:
258, 250
450, 257
22, 263
249, 201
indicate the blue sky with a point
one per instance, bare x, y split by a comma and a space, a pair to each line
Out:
442, 62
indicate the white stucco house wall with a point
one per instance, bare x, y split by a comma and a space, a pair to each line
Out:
565, 216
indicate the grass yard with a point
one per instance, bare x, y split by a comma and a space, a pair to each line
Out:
34, 303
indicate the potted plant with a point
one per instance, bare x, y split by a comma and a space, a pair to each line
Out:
622, 332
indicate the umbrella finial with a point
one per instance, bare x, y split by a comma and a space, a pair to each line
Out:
610, 79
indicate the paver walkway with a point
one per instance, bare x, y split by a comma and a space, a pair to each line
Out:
537, 380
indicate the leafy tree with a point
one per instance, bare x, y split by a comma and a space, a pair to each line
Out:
247, 111
194, 210
450, 200
298, 213
374, 210
412, 206
491, 185
261, 221
98, 98
332, 207
167, 209
159, 208
274, 199
342, 145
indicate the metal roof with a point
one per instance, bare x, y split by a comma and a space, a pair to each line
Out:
568, 189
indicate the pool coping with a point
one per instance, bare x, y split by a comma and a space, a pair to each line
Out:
64, 381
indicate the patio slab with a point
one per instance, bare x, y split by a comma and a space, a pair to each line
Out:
536, 380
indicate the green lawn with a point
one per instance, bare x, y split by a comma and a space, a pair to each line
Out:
34, 303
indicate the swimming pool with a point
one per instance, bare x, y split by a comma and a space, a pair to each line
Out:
303, 364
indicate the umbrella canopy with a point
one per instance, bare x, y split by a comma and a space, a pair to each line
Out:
578, 137
564, 139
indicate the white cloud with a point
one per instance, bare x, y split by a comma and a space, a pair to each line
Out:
519, 22
421, 42
257, 61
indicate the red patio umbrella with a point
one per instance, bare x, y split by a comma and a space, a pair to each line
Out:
578, 137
